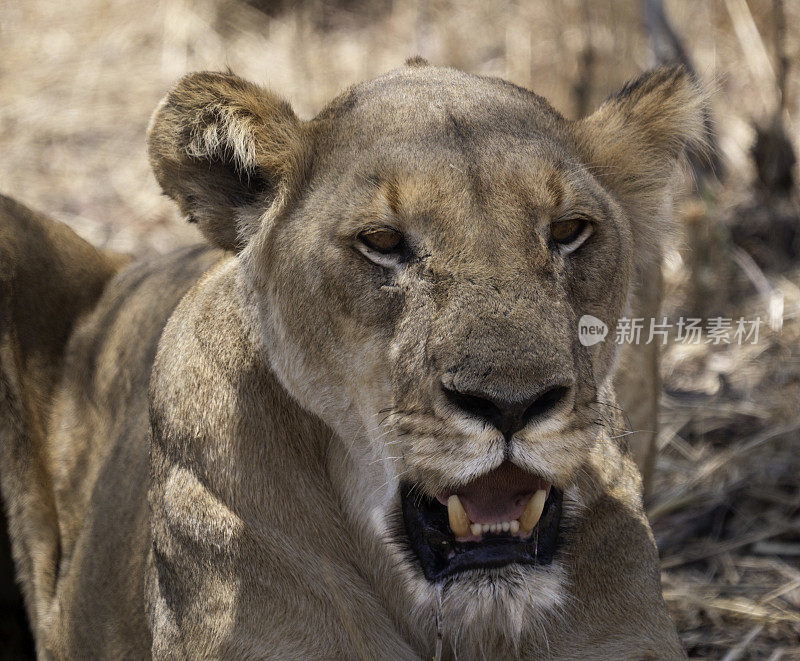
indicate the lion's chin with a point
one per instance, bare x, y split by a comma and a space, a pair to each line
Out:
502, 518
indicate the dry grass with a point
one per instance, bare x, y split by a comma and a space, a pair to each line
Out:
79, 79
726, 504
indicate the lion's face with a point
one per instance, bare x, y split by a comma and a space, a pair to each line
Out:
417, 266
442, 295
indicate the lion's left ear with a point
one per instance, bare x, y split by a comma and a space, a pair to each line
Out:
226, 150
634, 140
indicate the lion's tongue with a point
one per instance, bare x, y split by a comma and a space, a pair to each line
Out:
497, 496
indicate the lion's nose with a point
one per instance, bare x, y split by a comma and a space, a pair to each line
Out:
509, 416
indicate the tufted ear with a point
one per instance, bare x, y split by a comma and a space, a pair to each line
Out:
226, 151
635, 139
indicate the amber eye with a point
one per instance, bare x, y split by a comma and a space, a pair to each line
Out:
382, 240
566, 233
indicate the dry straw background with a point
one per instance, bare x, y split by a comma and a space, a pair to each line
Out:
79, 79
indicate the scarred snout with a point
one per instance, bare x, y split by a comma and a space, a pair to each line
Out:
507, 365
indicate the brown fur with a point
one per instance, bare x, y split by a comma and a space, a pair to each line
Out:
297, 382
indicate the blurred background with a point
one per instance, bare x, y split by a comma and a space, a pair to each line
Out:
79, 79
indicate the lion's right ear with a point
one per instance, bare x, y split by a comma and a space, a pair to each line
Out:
226, 151
634, 141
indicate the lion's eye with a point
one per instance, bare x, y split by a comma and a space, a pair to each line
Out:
569, 234
384, 241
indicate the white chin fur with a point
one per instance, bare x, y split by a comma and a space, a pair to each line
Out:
495, 609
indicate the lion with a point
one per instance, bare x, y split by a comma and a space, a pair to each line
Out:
358, 422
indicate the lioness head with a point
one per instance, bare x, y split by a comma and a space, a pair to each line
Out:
414, 261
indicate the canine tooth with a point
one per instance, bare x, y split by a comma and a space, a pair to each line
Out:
533, 511
476, 529
514, 526
506, 526
459, 521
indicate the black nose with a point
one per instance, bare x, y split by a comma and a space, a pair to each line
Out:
508, 416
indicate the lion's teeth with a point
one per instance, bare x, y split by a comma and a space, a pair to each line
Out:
459, 521
533, 511
462, 526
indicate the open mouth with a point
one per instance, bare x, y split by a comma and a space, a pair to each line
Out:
506, 516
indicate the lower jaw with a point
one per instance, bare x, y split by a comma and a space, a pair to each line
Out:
442, 557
